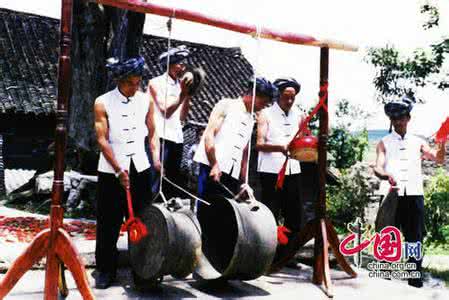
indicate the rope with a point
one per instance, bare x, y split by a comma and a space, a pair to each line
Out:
161, 175
185, 191
253, 100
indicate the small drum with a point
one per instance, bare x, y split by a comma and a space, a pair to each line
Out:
304, 149
239, 239
172, 246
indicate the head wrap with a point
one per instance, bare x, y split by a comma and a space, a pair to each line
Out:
397, 109
263, 87
177, 55
134, 66
285, 82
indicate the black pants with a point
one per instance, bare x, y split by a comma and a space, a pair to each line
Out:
208, 189
112, 208
172, 168
410, 220
284, 202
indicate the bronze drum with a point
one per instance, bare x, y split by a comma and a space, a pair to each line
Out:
239, 239
172, 246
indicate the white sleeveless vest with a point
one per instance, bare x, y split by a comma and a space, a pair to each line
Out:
127, 130
231, 139
281, 130
403, 161
173, 126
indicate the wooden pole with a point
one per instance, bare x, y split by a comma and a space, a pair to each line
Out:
233, 25
321, 228
54, 243
324, 131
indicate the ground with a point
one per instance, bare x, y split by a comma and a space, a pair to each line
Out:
290, 283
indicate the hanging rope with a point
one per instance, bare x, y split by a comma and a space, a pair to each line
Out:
253, 100
161, 175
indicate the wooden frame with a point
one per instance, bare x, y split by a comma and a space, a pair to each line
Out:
55, 244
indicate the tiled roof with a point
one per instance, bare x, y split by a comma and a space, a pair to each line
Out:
28, 66
28, 59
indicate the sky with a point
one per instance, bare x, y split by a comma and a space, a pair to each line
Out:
358, 22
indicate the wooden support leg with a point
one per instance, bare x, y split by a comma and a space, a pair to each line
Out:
326, 269
51, 276
335, 243
32, 254
66, 251
62, 283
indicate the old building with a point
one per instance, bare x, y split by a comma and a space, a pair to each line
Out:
28, 75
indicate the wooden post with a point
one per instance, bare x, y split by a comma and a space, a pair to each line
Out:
321, 228
54, 243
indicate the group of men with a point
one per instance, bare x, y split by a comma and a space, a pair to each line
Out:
126, 119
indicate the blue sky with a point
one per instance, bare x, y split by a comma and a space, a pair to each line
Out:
360, 22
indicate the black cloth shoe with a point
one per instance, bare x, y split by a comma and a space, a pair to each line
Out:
417, 283
104, 280
147, 285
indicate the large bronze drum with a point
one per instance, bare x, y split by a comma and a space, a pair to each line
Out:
239, 239
172, 246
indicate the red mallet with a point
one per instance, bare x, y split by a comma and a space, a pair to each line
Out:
136, 228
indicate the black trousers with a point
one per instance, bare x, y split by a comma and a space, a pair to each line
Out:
172, 167
284, 202
410, 220
112, 208
208, 189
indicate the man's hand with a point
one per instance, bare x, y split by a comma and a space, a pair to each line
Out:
157, 166
186, 83
124, 179
392, 182
215, 173
285, 150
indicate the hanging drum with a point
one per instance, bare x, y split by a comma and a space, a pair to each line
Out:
172, 246
239, 239
304, 148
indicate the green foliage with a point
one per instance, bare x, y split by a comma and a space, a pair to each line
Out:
436, 203
398, 76
347, 148
348, 201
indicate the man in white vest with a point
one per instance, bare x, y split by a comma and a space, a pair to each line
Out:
172, 98
276, 127
399, 156
223, 149
123, 118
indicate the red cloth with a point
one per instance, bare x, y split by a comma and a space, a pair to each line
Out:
282, 235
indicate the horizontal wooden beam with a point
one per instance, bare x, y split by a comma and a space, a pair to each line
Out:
267, 33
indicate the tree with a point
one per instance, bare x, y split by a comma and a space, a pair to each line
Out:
397, 75
347, 142
98, 32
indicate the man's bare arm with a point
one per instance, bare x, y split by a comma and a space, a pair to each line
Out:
379, 169
153, 137
213, 126
436, 154
102, 131
168, 109
261, 144
244, 165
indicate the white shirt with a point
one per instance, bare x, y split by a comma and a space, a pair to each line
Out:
231, 139
281, 129
127, 130
403, 162
173, 127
